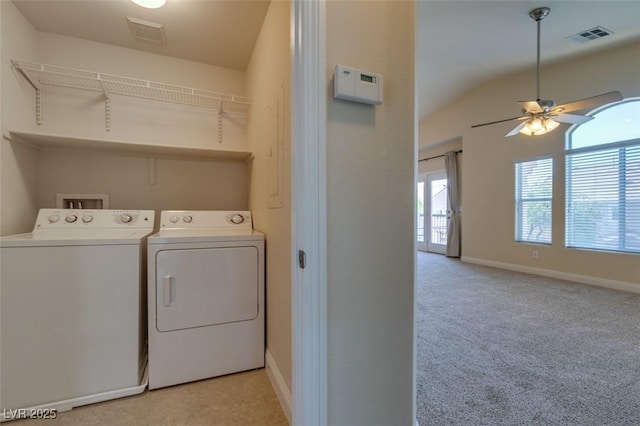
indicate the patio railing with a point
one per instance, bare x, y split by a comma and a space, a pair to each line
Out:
439, 228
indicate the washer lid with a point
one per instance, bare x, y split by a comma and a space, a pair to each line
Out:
50, 239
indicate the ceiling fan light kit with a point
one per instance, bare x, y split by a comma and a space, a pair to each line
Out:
542, 115
538, 126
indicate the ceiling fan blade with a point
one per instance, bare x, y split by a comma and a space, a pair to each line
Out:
591, 102
572, 118
530, 106
523, 117
516, 130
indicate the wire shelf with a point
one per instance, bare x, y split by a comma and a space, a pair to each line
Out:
109, 84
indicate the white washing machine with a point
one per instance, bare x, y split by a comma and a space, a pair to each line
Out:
72, 317
205, 296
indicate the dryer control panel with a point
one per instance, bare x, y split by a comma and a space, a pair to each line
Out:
205, 219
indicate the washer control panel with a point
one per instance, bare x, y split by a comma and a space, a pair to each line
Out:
199, 219
94, 219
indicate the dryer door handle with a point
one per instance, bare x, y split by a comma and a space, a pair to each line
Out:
168, 290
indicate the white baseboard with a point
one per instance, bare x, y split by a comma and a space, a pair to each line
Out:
279, 385
583, 279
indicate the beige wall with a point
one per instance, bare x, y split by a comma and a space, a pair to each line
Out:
488, 175
80, 113
31, 179
268, 81
179, 184
438, 150
370, 179
18, 162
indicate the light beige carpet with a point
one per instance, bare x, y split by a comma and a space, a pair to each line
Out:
503, 348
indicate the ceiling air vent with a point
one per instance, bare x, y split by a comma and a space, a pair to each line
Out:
149, 31
592, 34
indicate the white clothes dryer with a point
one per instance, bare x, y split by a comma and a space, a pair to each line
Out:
72, 317
205, 296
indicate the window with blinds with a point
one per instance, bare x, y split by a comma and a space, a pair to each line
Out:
603, 181
533, 200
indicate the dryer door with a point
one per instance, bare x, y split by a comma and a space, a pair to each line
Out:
204, 287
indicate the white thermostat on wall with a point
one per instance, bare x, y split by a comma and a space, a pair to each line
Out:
354, 85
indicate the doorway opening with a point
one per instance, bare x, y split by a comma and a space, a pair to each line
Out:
432, 218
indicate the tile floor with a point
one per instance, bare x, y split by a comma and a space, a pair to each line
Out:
238, 399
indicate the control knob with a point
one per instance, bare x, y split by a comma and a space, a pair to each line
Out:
54, 218
187, 219
70, 218
237, 219
87, 218
126, 218
173, 219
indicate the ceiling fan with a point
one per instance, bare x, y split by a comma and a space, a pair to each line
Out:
542, 115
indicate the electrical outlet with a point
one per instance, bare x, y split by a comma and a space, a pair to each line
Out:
534, 254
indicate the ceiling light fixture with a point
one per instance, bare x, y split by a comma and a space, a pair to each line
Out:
538, 126
150, 4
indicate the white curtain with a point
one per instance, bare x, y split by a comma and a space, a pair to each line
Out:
453, 208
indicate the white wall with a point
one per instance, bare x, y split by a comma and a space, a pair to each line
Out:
31, 179
371, 168
488, 175
268, 80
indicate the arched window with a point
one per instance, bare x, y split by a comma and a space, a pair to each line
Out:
603, 180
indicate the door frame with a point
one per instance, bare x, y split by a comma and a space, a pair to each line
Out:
309, 221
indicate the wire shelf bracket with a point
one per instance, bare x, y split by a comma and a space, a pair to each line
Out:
39, 75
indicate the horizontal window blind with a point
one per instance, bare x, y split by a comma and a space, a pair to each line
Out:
603, 199
533, 200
